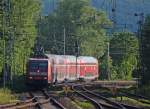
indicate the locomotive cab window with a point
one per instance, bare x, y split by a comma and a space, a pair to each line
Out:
38, 66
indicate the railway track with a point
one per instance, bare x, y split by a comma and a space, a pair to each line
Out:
39, 100
100, 102
140, 98
19, 105
106, 103
45, 101
94, 102
120, 105
53, 100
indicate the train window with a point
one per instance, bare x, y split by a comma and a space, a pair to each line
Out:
88, 74
33, 66
41, 66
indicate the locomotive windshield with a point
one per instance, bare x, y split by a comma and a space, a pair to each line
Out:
38, 66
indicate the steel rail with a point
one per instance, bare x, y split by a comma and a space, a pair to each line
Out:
134, 96
104, 98
96, 104
54, 101
38, 104
24, 104
130, 107
15, 104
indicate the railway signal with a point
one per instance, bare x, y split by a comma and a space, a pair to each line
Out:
108, 58
77, 54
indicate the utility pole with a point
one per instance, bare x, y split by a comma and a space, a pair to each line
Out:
64, 40
108, 67
4, 65
76, 54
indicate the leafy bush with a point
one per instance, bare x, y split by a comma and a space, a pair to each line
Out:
6, 96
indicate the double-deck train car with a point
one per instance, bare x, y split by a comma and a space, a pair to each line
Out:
88, 67
60, 68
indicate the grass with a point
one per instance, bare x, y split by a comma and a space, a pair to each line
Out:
131, 101
143, 100
6, 96
84, 104
75, 104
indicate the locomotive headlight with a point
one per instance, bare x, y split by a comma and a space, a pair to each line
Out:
45, 77
30, 77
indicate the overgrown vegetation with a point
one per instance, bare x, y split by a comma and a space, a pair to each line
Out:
132, 101
7, 97
18, 23
79, 22
124, 54
84, 104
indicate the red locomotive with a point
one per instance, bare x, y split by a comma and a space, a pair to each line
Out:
59, 68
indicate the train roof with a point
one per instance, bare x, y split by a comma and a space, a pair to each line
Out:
37, 59
88, 59
50, 55
68, 58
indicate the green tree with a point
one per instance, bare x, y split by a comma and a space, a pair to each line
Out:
20, 30
81, 22
93, 35
124, 53
66, 16
1, 35
24, 16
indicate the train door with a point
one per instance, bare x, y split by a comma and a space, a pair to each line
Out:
53, 71
60, 69
78, 69
49, 77
71, 68
82, 67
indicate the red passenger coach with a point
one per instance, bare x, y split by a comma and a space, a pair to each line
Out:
59, 68
63, 67
71, 68
88, 67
